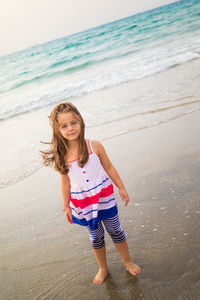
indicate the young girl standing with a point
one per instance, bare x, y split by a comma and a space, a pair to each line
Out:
87, 191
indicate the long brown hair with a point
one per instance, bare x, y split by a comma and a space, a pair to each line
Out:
55, 156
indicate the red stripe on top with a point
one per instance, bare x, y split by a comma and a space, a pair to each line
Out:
82, 203
105, 192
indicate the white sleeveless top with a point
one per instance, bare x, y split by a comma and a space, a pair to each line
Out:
91, 192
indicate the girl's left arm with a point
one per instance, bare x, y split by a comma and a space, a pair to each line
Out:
111, 171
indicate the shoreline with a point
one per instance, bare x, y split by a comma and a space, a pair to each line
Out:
134, 105
109, 139
160, 169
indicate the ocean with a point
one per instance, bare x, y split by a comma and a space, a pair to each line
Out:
127, 75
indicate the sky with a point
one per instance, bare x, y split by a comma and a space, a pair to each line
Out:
25, 23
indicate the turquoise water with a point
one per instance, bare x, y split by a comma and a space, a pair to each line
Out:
121, 51
127, 75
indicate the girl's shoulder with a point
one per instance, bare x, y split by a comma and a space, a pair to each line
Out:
96, 146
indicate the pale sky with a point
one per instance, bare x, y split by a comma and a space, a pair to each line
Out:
24, 23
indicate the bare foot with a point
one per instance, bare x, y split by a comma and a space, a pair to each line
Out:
101, 276
132, 268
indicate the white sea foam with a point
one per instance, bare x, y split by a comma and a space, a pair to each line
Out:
133, 67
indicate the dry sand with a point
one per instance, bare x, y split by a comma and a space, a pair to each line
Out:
44, 257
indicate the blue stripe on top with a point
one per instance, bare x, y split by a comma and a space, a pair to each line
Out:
89, 189
102, 214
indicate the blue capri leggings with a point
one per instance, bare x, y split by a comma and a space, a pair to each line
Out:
113, 228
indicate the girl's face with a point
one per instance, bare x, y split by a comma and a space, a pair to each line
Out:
69, 126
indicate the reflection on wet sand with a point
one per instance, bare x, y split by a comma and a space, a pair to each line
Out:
130, 284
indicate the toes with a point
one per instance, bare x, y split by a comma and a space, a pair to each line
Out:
96, 281
133, 269
136, 272
139, 270
99, 279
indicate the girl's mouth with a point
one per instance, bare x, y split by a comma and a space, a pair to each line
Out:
71, 133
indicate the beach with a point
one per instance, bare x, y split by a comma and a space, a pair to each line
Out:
136, 83
44, 257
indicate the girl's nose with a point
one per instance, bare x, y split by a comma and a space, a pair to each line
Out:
70, 128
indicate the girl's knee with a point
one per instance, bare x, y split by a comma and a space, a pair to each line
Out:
117, 235
97, 242
97, 237
115, 230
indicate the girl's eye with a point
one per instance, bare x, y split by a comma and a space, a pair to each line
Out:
74, 123
63, 126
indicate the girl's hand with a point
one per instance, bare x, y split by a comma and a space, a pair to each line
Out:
124, 196
68, 215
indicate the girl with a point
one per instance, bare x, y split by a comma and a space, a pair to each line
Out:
87, 191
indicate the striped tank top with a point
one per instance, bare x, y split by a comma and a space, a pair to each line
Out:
91, 192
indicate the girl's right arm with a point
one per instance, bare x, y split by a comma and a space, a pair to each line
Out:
65, 192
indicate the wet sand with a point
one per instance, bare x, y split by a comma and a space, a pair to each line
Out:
44, 257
